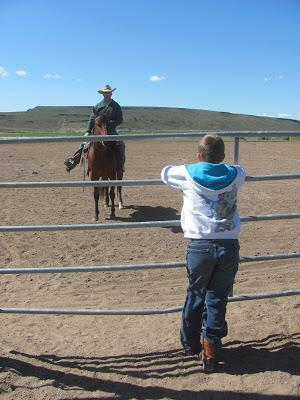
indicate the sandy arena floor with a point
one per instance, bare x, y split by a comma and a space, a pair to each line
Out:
139, 357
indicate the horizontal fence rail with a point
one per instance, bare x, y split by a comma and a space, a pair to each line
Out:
133, 267
242, 297
140, 182
147, 224
131, 225
134, 136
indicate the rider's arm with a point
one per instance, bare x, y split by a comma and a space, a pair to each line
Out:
91, 122
116, 117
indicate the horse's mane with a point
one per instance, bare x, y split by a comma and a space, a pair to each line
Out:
101, 121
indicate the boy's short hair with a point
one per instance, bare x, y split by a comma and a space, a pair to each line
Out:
212, 149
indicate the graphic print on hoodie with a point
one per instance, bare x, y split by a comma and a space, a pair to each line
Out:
209, 198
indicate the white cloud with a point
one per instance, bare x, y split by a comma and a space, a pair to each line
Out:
3, 72
156, 78
284, 115
21, 73
273, 78
280, 115
52, 76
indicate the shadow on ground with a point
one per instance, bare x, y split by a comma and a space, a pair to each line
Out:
148, 213
273, 353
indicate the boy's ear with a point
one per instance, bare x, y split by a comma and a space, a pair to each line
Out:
199, 157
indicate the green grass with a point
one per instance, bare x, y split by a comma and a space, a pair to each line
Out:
40, 134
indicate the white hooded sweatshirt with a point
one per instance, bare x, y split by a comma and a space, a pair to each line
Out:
209, 198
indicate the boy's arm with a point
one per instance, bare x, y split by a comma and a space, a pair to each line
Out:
174, 176
241, 175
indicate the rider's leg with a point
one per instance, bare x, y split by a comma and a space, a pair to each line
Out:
71, 162
120, 149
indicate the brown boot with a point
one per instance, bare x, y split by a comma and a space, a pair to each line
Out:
208, 356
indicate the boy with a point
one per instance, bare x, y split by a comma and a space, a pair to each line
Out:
210, 220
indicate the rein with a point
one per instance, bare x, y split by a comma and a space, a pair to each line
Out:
101, 127
101, 141
83, 161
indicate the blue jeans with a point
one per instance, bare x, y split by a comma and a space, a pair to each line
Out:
211, 267
121, 147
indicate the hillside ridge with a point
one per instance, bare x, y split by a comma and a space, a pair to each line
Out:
74, 119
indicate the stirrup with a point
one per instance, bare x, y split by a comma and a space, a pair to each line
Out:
70, 164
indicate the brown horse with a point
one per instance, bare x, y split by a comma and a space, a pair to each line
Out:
103, 164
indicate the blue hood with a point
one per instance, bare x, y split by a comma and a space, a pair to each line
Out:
212, 176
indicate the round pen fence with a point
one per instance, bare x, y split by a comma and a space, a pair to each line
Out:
146, 224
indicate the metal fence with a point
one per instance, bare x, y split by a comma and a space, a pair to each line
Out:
146, 224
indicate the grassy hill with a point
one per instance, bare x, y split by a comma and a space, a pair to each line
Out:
74, 119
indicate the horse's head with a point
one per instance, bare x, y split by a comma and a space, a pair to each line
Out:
101, 125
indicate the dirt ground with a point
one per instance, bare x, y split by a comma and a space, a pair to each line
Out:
139, 357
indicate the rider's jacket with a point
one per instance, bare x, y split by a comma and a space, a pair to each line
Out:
112, 110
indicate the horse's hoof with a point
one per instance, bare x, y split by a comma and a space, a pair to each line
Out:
105, 205
112, 216
96, 219
121, 206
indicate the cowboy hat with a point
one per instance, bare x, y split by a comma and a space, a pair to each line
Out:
106, 89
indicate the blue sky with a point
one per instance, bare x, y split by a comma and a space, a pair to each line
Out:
239, 56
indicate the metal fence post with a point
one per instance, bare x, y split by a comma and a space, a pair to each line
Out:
236, 150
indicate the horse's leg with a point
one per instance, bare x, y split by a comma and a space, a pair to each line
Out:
112, 199
120, 199
96, 198
106, 198
119, 190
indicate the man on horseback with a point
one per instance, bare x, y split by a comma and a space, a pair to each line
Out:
113, 112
